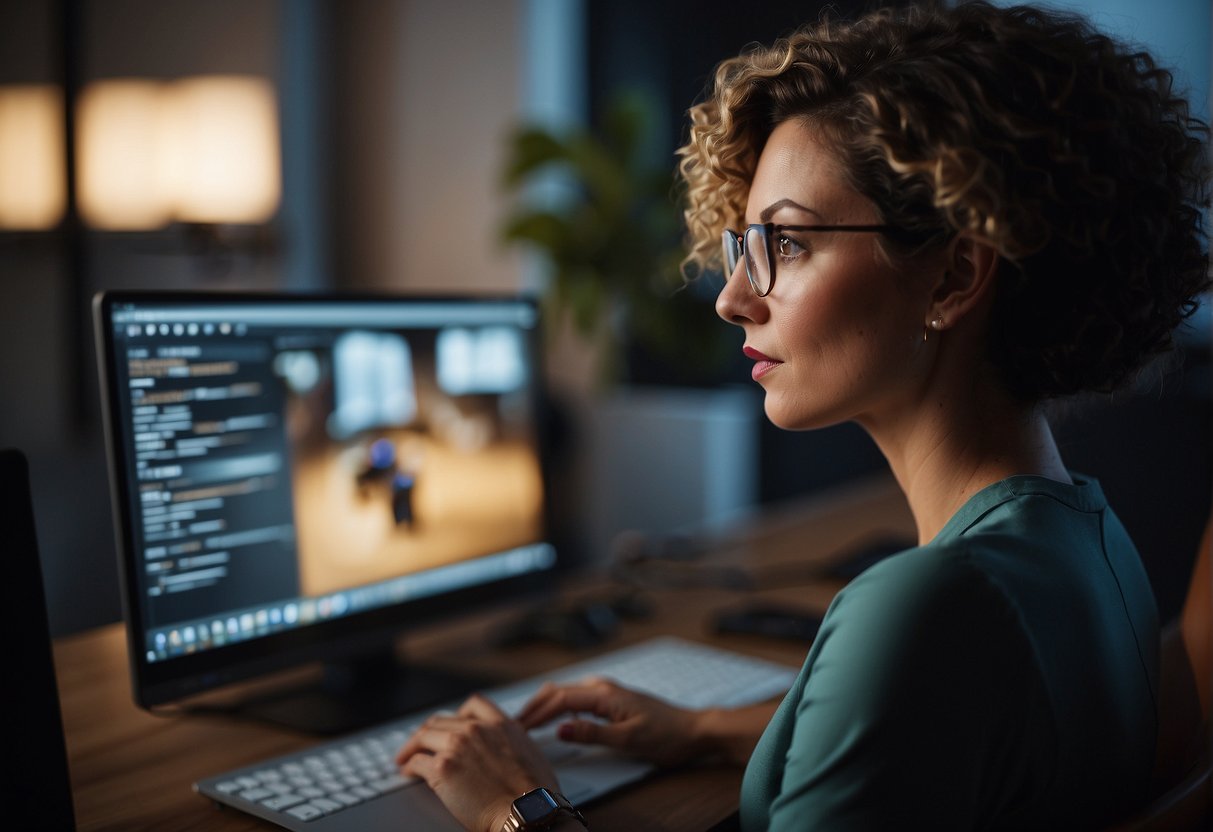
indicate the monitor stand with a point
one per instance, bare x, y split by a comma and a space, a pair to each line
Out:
361, 693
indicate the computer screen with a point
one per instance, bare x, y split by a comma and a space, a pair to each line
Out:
299, 478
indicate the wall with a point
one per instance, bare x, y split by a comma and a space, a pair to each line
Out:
1178, 33
429, 90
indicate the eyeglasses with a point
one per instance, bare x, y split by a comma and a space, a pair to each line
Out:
755, 247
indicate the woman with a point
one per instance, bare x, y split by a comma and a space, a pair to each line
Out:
934, 222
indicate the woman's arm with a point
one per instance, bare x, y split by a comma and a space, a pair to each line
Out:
733, 732
646, 727
478, 760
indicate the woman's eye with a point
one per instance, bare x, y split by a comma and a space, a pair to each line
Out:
787, 247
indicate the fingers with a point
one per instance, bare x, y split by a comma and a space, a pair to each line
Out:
595, 696
526, 715
418, 765
478, 707
593, 733
434, 736
551, 701
437, 733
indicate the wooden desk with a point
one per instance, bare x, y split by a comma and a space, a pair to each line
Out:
131, 770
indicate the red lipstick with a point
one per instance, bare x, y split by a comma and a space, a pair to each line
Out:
763, 363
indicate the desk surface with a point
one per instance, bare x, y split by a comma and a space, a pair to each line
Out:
133, 770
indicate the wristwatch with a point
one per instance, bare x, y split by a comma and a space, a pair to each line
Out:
539, 809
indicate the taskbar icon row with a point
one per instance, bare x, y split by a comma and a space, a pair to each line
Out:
191, 637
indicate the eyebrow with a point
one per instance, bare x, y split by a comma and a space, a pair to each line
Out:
774, 207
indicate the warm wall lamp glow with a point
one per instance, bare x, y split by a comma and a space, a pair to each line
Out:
202, 150
33, 189
119, 155
222, 137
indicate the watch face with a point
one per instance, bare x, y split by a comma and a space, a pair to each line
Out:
535, 806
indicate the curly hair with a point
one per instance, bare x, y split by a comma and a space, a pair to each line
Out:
1067, 152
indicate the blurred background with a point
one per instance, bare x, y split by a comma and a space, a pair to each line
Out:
450, 146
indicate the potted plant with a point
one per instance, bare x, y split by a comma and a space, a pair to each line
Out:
613, 241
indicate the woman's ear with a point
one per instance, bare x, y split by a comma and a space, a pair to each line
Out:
970, 273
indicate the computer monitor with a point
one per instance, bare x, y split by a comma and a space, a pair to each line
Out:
300, 479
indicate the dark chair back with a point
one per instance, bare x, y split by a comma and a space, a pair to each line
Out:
35, 789
1183, 767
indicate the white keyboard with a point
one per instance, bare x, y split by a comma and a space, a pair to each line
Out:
353, 783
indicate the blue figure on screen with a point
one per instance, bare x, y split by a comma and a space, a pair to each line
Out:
380, 462
384, 466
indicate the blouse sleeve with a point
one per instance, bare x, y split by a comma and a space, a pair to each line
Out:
921, 678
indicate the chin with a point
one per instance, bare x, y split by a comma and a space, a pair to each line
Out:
796, 418
784, 418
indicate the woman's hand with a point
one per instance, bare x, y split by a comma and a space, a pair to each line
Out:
477, 761
635, 723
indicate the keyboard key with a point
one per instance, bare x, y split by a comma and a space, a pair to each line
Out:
256, 795
282, 801
305, 812
391, 783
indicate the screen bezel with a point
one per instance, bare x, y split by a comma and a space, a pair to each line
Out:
343, 638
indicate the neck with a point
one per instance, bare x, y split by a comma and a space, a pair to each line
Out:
952, 446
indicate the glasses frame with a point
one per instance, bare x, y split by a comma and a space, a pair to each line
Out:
735, 245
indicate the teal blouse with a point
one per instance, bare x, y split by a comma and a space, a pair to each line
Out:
1002, 676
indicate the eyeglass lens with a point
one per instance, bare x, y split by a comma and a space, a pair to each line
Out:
757, 257
732, 251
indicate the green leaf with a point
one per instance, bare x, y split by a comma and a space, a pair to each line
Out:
614, 239
532, 148
542, 228
607, 182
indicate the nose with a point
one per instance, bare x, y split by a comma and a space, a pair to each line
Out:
737, 302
